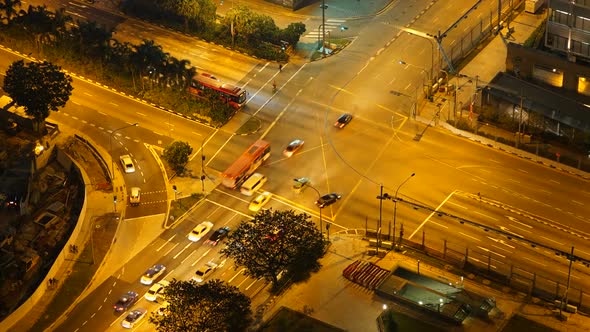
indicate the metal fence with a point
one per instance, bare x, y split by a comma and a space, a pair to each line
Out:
487, 265
480, 31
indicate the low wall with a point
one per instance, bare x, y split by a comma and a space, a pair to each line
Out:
42, 289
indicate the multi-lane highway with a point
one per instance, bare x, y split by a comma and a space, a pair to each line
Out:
378, 147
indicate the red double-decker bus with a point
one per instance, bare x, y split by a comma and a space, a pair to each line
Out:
244, 166
231, 94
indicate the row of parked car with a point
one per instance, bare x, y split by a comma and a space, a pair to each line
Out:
153, 274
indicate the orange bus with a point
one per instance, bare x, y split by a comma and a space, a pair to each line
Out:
231, 94
244, 166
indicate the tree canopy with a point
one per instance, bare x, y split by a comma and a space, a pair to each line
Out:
177, 153
212, 306
274, 242
39, 87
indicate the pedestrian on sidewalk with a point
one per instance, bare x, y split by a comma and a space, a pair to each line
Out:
280, 67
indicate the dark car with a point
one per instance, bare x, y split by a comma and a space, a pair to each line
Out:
343, 120
327, 199
293, 147
152, 274
126, 301
218, 235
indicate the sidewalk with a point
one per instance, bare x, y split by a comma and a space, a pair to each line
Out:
344, 304
484, 66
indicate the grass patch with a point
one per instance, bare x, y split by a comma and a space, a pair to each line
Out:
251, 126
76, 282
396, 321
518, 323
181, 205
287, 320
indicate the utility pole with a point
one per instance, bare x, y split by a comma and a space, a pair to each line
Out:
519, 118
323, 28
380, 216
564, 299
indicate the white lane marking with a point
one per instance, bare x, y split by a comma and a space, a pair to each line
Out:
566, 273
75, 103
556, 182
198, 259
166, 254
514, 220
183, 249
546, 238
236, 275
580, 203
280, 114
262, 68
495, 246
440, 225
482, 262
113, 104
252, 284
522, 170
469, 236
228, 208
534, 261
491, 251
461, 206
500, 241
485, 215
187, 257
75, 14
494, 161
431, 214
138, 113
507, 230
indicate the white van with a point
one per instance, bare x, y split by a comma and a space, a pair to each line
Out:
253, 183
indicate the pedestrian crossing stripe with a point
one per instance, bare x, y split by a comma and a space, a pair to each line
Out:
330, 25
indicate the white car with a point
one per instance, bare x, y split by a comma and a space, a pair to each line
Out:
133, 317
127, 163
201, 230
152, 274
205, 270
135, 196
260, 200
156, 290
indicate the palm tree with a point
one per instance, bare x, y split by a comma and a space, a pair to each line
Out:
120, 56
148, 58
36, 21
94, 39
57, 24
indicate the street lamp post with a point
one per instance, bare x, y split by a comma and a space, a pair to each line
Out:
323, 29
395, 202
426, 83
319, 195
